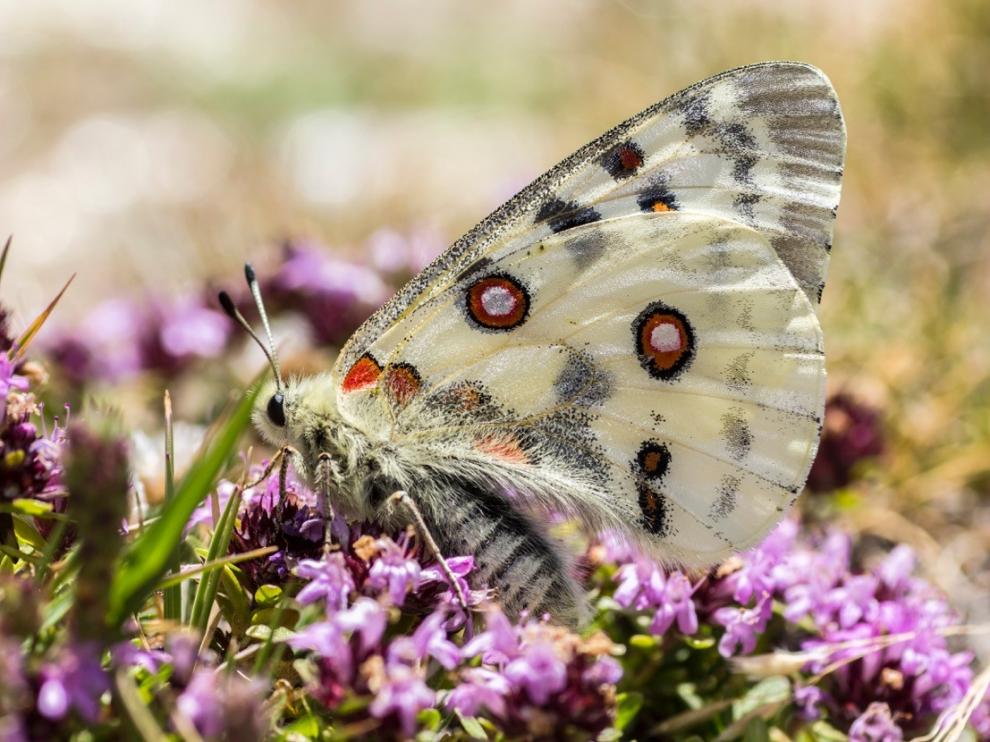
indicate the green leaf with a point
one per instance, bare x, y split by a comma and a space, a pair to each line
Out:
700, 642
756, 731
627, 705
471, 726
307, 727
768, 691
822, 731
429, 718
154, 551
263, 633
25, 506
267, 596
642, 641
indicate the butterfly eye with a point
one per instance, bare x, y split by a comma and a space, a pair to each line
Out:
276, 409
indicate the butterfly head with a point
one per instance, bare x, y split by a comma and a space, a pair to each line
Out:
290, 411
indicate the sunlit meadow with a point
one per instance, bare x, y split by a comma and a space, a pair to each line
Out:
150, 149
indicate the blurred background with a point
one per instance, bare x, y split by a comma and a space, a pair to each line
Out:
151, 147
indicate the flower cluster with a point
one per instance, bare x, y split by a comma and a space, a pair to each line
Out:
534, 679
29, 459
872, 641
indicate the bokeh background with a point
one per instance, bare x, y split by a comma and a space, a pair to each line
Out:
151, 147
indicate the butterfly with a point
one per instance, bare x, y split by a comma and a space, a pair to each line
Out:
631, 341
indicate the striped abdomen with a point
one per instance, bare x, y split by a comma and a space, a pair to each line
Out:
512, 554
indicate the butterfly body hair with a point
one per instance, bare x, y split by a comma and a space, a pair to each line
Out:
466, 508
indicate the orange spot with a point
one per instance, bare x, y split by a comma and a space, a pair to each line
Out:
402, 382
503, 447
363, 373
660, 207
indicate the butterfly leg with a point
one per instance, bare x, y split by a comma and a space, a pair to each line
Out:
327, 473
403, 498
282, 458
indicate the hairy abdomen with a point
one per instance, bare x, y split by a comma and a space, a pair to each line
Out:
526, 568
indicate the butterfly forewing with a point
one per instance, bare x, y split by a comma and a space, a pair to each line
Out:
632, 339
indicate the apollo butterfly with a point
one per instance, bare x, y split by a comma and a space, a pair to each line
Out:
631, 341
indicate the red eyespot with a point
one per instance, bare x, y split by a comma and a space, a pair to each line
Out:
664, 340
498, 302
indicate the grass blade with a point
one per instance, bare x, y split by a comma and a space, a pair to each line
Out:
20, 345
206, 590
172, 596
153, 552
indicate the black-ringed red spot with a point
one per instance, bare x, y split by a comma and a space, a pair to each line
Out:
363, 374
664, 341
497, 302
402, 381
653, 460
624, 160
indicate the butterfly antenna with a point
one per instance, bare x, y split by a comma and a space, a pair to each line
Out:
252, 281
231, 311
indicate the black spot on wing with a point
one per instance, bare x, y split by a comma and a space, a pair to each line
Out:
736, 433
562, 215
582, 381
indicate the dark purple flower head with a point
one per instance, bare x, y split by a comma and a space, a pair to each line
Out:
875, 725
295, 526
853, 432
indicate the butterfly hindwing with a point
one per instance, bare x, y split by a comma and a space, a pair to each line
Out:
632, 340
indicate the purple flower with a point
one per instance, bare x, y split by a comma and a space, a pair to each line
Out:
75, 681
327, 640
875, 725
808, 698
852, 433
677, 605
394, 571
366, 617
497, 644
404, 694
330, 581
538, 670
333, 295
190, 330
429, 640
481, 688
641, 585
742, 626
603, 671
223, 705
897, 568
